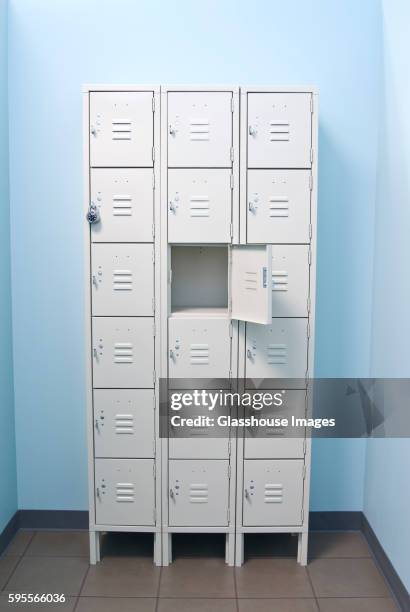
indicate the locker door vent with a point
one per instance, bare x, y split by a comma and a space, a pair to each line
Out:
250, 281
124, 424
199, 354
122, 280
278, 206
277, 353
121, 206
125, 492
123, 352
273, 493
199, 129
278, 130
279, 280
121, 129
198, 493
199, 206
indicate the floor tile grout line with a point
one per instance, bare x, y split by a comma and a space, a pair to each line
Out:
235, 588
82, 585
12, 574
309, 577
29, 543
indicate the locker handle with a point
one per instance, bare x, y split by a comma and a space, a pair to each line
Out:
172, 354
171, 494
172, 130
246, 493
252, 207
98, 492
252, 131
97, 425
95, 353
249, 354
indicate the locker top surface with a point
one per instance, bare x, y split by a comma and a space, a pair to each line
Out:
243, 89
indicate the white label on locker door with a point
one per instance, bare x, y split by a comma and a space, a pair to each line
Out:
278, 350
278, 206
273, 493
198, 493
250, 283
199, 129
124, 423
123, 352
122, 279
199, 205
124, 198
279, 130
290, 280
124, 492
121, 128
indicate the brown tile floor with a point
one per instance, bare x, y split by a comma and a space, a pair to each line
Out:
341, 575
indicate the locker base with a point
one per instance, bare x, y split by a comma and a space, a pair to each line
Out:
229, 549
95, 547
302, 553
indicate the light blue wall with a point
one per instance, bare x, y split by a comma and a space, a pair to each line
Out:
8, 483
54, 48
387, 491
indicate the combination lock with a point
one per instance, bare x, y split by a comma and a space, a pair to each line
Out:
93, 216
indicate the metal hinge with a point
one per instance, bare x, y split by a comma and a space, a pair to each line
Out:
153, 470
154, 376
154, 401
153, 255
308, 304
232, 154
304, 446
230, 374
229, 446
309, 256
153, 153
153, 305
154, 513
308, 329
229, 470
154, 330
153, 104
304, 471
153, 180
230, 330
311, 156
170, 276
311, 181
311, 103
153, 446
228, 515
153, 230
302, 514
231, 180
232, 104
310, 231
231, 230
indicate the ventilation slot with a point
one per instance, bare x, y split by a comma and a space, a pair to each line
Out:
278, 206
199, 206
199, 354
279, 280
123, 352
198, 494
199, 129
124, 424
273, 493
121, 129
277, 353
275, 431
278, 130
122, 206
122, 280
125, 492
250, 281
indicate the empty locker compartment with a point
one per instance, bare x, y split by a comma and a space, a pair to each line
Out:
123, 352
125, 492
124, 198
278, 206
273, 492
122, 279
279, 130
290, 280
121, 128
277, 351
199, 129
198, 493
124, 423
199, 205
278, 442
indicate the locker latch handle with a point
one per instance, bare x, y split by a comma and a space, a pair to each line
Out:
98, 492
171, 354
172, 207
246, 493
171, 494
249, 354
252, 130
172, 130
97, 425
252, 207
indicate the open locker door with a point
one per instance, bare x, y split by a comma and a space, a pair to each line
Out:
251, 283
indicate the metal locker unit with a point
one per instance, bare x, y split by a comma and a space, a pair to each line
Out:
121, 158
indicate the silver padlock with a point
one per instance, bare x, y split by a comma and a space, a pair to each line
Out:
93, 214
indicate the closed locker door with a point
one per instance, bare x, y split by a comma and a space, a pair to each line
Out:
125, 200
279, 130
272, 442
198, 493
290, 280
123, 352
121, 128
122, 279
277, 351
124, 423
199, 348
273, 492
199, 129
124, 491
199, 206
278, 206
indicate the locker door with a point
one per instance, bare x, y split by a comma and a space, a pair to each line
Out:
124, 423
124, 492
279, 130
199, 348
290, 280
250, 286
199, 129
123, 352
273, 492
198, 493
122, 279
125, 200
277, 351
199, 206
278, 207
121, 128
278, 442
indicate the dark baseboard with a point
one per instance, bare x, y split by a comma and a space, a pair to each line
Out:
53, 519
9, 532
335, 521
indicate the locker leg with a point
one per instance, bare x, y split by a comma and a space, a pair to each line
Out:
303, 548
230, 549
239, 549
166, 549
95, 555
157, 549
